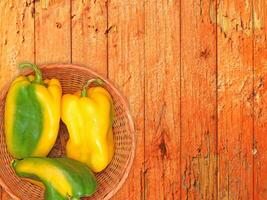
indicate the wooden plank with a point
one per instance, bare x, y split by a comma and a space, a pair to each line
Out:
16, 43
89, 38
162, 104
52, 31
17, 37
126, 68
235, 100
53, 41
260, 99
198, 100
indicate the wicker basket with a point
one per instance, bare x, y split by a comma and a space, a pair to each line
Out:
72, 77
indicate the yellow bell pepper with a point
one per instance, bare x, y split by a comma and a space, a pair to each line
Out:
63, 178
88, 116
32, 114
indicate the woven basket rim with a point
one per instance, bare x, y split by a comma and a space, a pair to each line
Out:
118, 93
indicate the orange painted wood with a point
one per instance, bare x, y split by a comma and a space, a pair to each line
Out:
53, 39
16, 43
162, 100
173, 94
260, 99
89, 37
235, 100
198, 100
126, 68
17, 37
52, 31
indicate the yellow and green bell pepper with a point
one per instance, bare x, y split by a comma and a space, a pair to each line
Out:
32, 114
63, 178
88, 116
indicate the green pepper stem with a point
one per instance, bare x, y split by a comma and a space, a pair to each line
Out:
38, 73
74, 198
97, 81
14, 163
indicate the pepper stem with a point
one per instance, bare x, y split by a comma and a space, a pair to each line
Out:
74, 198
38, 73
97, 81
14, 163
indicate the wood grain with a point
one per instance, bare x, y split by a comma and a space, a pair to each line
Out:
198, 100
166, 57
126, 68
17, 37
162, 100
89, 34
52, 32
260, 99
235, 100
52, 40
16, 43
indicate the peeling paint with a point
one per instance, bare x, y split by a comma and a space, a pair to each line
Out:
28, 3
33, 12
254, 151
23, 39
48, 3
258, 23
229, 21
45, 3
12, 56
235, 24
244, 84
212, 12
197, 175
82, 8
112, 28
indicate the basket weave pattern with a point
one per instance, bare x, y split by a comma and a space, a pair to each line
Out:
72, 78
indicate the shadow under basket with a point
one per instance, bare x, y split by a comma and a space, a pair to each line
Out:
72, 77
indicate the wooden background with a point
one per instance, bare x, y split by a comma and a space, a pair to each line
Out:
194, 73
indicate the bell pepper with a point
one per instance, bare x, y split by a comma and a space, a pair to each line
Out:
88, 116
63, 178
32, 114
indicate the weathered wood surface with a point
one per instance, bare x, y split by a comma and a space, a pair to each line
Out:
162, 100
17, 41
17, 37
125, 33
194, 73
235, 100
198, 100
260, 99
88, 31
